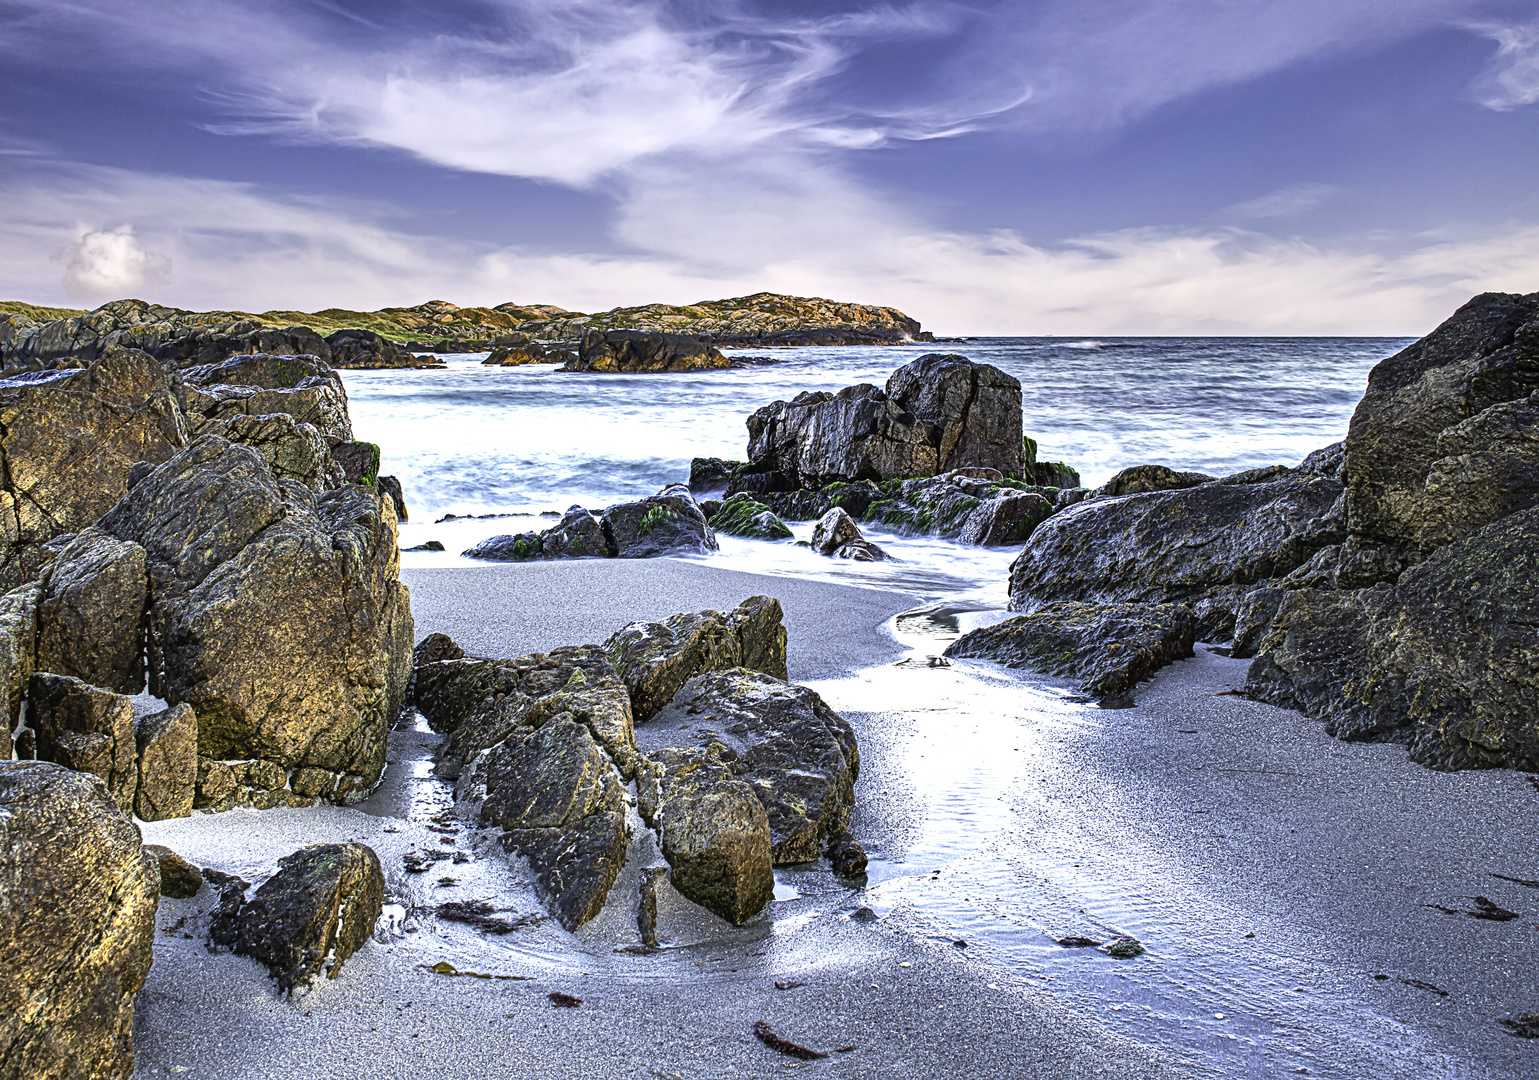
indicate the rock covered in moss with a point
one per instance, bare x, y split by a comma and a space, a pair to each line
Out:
743, 515
359, 461
78, 895
309, 917
654, 659
1109, 647
668, 523
714, 831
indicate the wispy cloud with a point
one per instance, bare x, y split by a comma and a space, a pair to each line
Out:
1284, 203
1511, 80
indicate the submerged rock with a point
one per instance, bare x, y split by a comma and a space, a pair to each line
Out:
836, 535
1110, 647
655, 659
743, 515
309, 917
78, 895
939, 412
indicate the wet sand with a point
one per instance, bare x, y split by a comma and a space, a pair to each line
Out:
998, 811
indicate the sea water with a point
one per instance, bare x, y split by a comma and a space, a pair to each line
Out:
521, 442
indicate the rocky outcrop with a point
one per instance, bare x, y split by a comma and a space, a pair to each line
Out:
354, 348
309, 917
1486, 354
69, 439
938, 413
633, 352
654, 659
798, 755
167, 746
90, 617
277, 614
259, 385
714, 831
837, 536
1180, 545
1109, 647
527, 352
743, 515
87, 729
1440, 659
78, 896
668, 523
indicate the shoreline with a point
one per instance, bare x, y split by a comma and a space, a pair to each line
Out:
1108, 790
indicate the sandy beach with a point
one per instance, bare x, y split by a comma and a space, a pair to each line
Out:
1279, 880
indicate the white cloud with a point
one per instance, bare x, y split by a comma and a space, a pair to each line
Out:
234, 247
103, 265
1511, 80
1284, 202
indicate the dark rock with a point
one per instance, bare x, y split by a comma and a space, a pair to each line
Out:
579, 534
1008, 517
1253, 621
1488, 467
179, 879
1110, 647
710, 474
78, 895
68, 442
167, 744
1326, 461
264, 370
435, 648
633, 351
515, 355
359, 461
655, 659
837, 535
86, 729
668, 523
309, 917
1438, 659
261, 385
743, 515
798, 755
90, 619
292, 450
507, 547
714, 830
1142, 478
354, 348
276, 614
1482, 356
846, 855
429, 545
390, 487
1177, 546
937, 413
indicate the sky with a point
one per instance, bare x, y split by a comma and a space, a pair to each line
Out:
1038, 167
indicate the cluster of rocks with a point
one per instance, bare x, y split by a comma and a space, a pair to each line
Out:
736, 769
519, 353
1384, 585
668, 523
638, 352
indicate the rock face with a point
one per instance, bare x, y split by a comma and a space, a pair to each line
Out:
715, 832
655, 659
1487, 354
260, 385
837, 536
1440, 659
668, 523
938, 413
87, 729
1177, 545
309, 917
68, 439
78, 896
1108, 646
167, 744
276, 614
797, 754
90, 619
638, 352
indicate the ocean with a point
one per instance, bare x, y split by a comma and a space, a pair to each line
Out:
524, 441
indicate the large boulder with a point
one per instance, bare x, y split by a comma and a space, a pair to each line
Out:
1487, 353
938, 413
635, 351
798, 755
90, 619
69, 439
1442, 659
78, 895
277, 614
668, 523
1178, 545
309, 917
654, 659
87, 729
837, 536
1110, 647
357, 348
167, 744
714, 831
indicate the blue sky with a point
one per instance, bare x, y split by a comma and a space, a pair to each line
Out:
1038, 167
